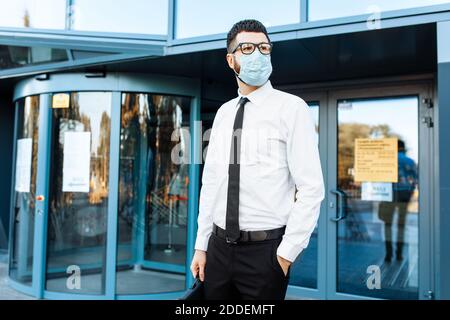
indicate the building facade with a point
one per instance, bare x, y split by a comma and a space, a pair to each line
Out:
105, 111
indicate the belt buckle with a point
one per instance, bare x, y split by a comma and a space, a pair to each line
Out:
229, 241
259, 235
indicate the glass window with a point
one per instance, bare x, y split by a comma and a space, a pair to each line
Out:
79, 191
153, 194
125, 16
325, 9
42, 14
21, 262
204, 17
15, 56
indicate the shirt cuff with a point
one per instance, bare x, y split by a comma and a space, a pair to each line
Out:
288, 251
202, 242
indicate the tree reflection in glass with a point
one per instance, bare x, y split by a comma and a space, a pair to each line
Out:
153, 194
77, 220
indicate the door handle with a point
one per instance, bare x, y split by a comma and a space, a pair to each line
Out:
342, 202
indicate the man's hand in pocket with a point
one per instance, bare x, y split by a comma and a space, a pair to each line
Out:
284, 264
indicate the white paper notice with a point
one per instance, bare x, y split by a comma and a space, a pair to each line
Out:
77, 161
23, 164
376, 191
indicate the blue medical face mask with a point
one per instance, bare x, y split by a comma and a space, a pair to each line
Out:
256, 68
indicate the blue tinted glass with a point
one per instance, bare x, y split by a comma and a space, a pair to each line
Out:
43, 14
203, 17
17, 56
131, 16
326, 9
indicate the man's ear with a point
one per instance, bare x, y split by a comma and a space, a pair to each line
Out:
230, 59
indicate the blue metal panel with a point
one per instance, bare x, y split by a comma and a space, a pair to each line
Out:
303, 11
55, 33
70, 64
442, 169
163, 266
72, 296
69, 4
300, 292
155, 296
139, 227
126, 82
194, 183
7, 111
443, 30
21, 287
12, 197
172, 20
42, 187
67, 40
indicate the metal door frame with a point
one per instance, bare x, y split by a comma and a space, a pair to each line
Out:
320, 291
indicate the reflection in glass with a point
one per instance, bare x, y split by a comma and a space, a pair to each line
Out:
379, 235
77, 220
153, 194
304, 268
137, 16
219, 16
16, 56
21, 261
42, 14
325, 9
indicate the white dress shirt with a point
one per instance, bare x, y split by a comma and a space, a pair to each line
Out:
279, 152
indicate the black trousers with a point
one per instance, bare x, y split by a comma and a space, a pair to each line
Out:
246, 270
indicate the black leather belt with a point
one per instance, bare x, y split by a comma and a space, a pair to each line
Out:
245, 236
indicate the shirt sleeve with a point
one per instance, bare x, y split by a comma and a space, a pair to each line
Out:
305, 168
205, 217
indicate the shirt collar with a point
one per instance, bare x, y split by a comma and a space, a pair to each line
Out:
257, 96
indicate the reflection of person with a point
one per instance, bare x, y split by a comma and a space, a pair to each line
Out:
402, 193
250, 228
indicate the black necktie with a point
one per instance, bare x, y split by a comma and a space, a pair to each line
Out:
232, 219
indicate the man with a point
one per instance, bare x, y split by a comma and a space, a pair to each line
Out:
403, 191
251, 224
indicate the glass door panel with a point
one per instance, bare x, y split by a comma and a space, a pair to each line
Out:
24, 199
378, 197
78, 197
305, 267
153, 193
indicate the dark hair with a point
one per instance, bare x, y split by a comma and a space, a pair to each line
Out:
401, 145
248, 25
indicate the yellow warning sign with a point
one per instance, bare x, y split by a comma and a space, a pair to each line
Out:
60, 100
376, 160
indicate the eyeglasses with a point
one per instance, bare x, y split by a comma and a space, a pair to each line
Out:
249, 47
